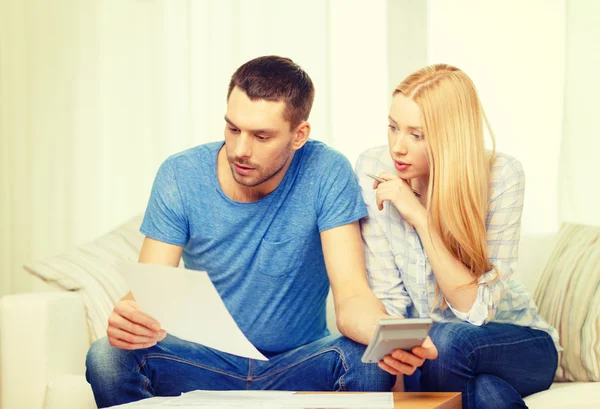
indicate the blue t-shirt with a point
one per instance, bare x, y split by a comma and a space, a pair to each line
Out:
265, 257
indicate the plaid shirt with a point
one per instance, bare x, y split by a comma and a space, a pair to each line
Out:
400, 274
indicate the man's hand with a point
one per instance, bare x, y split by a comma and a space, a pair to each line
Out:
404, 362
129, 328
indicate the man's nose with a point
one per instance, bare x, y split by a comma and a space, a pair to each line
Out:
243, 149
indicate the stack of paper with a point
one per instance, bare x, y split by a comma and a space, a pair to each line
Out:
266, 400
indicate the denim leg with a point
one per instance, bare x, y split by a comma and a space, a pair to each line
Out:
518, 359
169, 368
491, 392
329, 364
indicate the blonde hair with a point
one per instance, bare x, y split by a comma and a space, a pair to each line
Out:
459, 166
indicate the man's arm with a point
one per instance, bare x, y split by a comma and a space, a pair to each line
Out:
128, 326
357, 309
157, 252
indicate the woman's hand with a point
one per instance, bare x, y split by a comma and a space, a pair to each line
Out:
398, 192
404, 362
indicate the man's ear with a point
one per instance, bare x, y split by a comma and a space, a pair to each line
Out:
301, 135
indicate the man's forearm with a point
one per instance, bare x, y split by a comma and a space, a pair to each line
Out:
357, 317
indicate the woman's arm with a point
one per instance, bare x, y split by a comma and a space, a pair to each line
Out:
477, 303
453, 277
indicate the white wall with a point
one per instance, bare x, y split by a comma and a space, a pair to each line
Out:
579, 166
407, 39
95, 94
358, 84
514, 52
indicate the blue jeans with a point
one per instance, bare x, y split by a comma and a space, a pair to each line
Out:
174, 366
494, 366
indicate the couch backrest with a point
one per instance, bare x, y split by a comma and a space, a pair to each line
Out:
534, 252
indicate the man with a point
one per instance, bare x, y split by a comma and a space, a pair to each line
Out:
273, 218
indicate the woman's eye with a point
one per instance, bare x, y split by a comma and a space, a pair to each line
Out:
393, 128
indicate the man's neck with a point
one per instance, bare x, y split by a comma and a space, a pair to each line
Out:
241, 193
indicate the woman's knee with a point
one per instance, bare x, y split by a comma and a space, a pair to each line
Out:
453, 340
492, 392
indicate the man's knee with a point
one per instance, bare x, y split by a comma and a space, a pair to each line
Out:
104, 362
360, 377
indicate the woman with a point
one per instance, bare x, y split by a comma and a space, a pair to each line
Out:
441, 241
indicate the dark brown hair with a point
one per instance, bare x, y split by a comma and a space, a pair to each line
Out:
274, 78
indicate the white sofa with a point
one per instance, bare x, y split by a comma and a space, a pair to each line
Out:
44, 339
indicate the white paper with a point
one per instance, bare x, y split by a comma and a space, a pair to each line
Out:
270, 400
232, 399
188, 306
155, 402
379, 400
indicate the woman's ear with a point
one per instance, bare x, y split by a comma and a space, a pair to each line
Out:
301, 135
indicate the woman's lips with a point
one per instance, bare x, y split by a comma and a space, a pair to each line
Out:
401, 166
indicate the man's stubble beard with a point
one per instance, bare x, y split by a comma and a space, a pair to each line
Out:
261, 179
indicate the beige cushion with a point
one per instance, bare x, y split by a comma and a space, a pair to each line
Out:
90, 269
568, 297
69, 392
578, 395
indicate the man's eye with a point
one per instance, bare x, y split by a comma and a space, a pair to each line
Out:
393, 128
234, 130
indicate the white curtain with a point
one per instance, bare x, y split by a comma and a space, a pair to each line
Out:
580, 148
515, 53
95, 94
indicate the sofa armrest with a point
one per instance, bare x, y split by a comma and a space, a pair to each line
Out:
42, 335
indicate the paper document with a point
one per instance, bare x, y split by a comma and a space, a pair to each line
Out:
380, 400
268, 400
151, 403
187, 305
231, 400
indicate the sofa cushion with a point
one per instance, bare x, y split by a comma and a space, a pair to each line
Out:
90, 269
568, 297
572, 395
69, 392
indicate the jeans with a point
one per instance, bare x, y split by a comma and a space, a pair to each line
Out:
494, 366
174, 366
